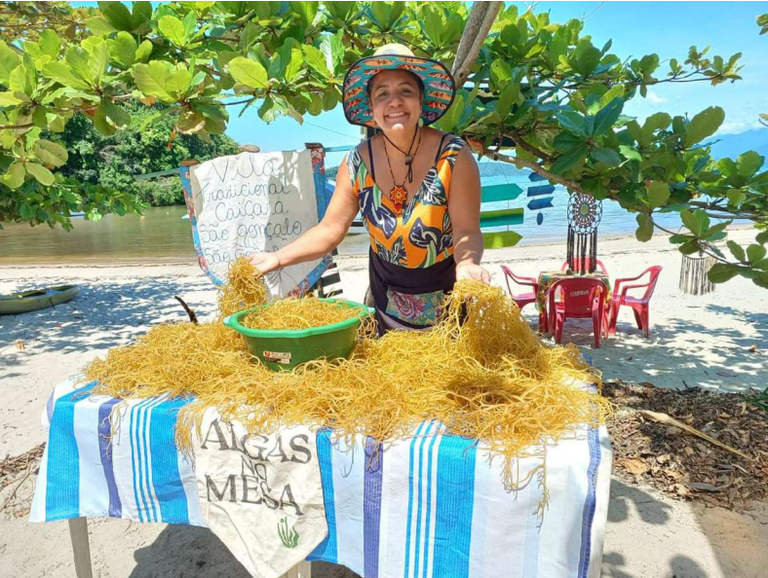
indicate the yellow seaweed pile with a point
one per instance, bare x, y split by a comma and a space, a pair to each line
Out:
481, 371
299, 313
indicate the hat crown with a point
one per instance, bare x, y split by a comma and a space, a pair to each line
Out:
393, 49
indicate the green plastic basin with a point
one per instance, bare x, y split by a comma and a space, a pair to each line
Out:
282, 350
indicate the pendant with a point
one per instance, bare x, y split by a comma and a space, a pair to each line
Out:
398, 195
408, 159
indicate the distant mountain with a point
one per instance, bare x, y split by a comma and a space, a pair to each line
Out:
497, 169
732, 145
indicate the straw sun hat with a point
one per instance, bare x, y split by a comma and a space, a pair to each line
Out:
439, 85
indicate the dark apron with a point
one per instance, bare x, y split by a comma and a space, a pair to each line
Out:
409, 298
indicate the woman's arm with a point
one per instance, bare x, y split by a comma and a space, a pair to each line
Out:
464, 210
323, 237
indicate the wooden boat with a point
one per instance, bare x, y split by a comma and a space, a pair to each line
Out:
39, 299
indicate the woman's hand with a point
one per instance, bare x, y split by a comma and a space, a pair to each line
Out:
472, 271
266, 262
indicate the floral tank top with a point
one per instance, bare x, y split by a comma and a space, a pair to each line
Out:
421, 236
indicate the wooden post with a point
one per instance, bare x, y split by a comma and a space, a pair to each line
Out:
301, 570
78, 533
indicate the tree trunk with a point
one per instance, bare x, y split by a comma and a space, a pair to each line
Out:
479, 23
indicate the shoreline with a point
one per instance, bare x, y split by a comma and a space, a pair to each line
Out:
169, 261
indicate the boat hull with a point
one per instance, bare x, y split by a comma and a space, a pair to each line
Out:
34, 300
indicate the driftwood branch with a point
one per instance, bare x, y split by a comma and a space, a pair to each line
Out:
192, 316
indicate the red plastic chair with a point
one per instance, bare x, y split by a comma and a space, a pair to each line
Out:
582, 298
521, 299
640, 305
598, 262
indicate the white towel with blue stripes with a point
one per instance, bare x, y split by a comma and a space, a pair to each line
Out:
430, 506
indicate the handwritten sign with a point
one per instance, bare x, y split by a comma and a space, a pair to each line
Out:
250, 203
260, 494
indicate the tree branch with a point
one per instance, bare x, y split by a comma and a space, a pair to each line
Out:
475, 32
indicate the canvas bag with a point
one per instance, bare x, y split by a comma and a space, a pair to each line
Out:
260, 494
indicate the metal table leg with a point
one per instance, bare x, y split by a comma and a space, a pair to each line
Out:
78, 532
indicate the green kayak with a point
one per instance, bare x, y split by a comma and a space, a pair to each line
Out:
39, 299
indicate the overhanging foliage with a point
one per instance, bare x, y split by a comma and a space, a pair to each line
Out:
539, 94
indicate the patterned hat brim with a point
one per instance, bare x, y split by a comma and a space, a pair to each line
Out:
439, 86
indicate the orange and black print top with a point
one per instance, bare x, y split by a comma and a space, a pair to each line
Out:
422, 235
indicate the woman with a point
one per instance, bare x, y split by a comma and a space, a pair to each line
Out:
417, 189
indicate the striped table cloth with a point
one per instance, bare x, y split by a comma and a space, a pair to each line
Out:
431, 506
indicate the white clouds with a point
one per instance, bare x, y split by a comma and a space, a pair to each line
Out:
654, 98
737, 126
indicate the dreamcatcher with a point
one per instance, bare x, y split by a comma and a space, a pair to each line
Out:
584, 214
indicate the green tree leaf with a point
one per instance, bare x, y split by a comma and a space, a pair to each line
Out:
749, 163
755, 253
117, 14
116, 115
122, 49
737, 251
77, 59
305, 12
566, 141
508, 97
190, 25
703, 125
13, 98
722, 272
178, 83
644, 230
658, 194
173, 29
606, 156
501, 72
50, 153
8, 61
43, 175
63, 73
569, 159
607, 116
152, 79
697, 221
22, 81
573, 121
50, 43
248, 72
143, 51
316, 60
14, 176
100, 27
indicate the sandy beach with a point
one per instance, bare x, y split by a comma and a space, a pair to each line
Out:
717, 341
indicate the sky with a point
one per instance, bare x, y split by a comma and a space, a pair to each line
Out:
636, 28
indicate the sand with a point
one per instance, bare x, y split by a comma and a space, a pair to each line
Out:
717, 341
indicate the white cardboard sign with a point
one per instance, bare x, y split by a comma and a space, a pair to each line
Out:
254, 202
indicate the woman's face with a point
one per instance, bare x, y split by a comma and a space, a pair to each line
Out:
395, 100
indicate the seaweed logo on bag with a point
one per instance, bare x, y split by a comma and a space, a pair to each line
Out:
288, 536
